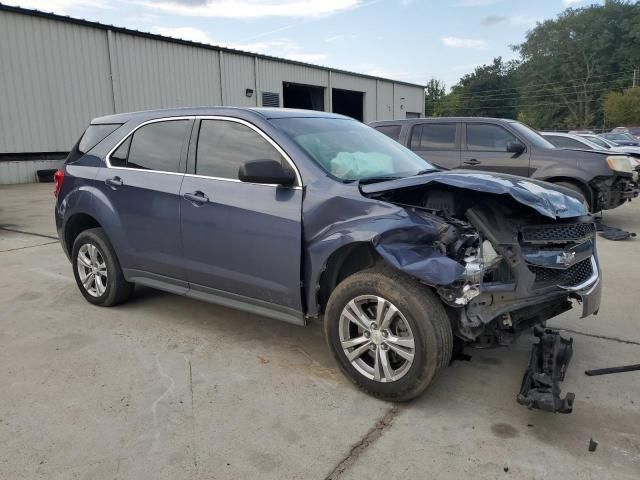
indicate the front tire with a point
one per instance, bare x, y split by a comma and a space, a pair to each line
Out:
97, 270
389, 333
576, 188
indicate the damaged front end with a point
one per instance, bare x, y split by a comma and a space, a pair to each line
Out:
503, 261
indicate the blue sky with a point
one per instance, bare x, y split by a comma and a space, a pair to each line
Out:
411, 40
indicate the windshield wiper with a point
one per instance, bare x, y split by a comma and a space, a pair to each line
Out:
427, 170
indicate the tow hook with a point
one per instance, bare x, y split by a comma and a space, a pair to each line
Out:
547, 366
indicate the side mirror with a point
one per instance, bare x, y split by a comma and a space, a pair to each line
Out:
266, 171
515, 147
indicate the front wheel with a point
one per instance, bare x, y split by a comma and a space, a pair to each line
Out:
390, 334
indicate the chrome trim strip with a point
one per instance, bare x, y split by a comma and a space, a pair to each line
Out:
590, 282
235, 180
205, 117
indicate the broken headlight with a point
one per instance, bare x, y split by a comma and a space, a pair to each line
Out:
619, 163
480, 262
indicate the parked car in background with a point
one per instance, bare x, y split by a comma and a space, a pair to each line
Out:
294, 214
635, 131
612, 146
605, 179
593, 142
621, 139
576, 132
571, 140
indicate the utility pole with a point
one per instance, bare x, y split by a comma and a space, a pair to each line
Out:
636, 74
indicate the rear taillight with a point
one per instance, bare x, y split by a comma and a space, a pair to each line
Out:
58, 178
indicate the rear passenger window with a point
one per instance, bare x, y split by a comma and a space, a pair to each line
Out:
391, 131
224, 146
490, 138
119, 157
156, 146
434, 136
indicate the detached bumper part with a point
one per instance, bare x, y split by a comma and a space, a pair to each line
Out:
547, 366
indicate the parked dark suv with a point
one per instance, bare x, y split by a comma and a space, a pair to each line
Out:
293, 214
506, 146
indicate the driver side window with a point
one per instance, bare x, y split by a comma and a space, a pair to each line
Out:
489, 138
224, 146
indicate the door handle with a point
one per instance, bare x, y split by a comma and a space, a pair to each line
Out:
114, 182
196, 197
473, 161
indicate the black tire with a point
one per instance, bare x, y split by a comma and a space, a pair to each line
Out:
425, 314
578, 189
117, 288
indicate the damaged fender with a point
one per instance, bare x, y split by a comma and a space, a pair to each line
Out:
407, 241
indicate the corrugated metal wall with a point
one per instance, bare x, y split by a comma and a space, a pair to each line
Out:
150, 73
384, 104
239, 75
56, 75
407, 99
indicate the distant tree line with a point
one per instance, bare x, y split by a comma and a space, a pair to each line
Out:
574, 71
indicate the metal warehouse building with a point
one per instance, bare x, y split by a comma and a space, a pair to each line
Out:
57, 73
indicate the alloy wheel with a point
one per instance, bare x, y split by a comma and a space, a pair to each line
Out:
376, 338
92, 269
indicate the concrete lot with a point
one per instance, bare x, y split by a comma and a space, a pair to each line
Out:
167, 387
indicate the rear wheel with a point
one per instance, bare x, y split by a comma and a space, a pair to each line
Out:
97, 270
390, 334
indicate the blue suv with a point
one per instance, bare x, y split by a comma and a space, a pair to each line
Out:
295, 214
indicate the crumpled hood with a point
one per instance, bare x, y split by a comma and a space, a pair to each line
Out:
545, 198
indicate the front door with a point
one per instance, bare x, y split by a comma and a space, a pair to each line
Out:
486, 149
142, 183
239, 238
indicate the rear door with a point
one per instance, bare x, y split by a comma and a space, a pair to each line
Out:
142, 182
438, 143
485, 148
239, 238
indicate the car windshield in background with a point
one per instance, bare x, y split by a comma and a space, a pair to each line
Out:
532, 136
349, 150
624, 137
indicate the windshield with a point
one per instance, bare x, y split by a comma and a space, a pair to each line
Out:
349, 150
532, 136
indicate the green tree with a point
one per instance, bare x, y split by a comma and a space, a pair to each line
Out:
569, 63
623, 108
490, 91
433, 96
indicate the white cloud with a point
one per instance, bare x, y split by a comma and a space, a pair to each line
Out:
185, 33
457, 42
283, 47
62, 7
571, 2
253, 8
341, 37
477, 3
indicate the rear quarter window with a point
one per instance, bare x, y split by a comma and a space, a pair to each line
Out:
91, 137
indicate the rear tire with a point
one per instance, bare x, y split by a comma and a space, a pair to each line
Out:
420, 316
97, 270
